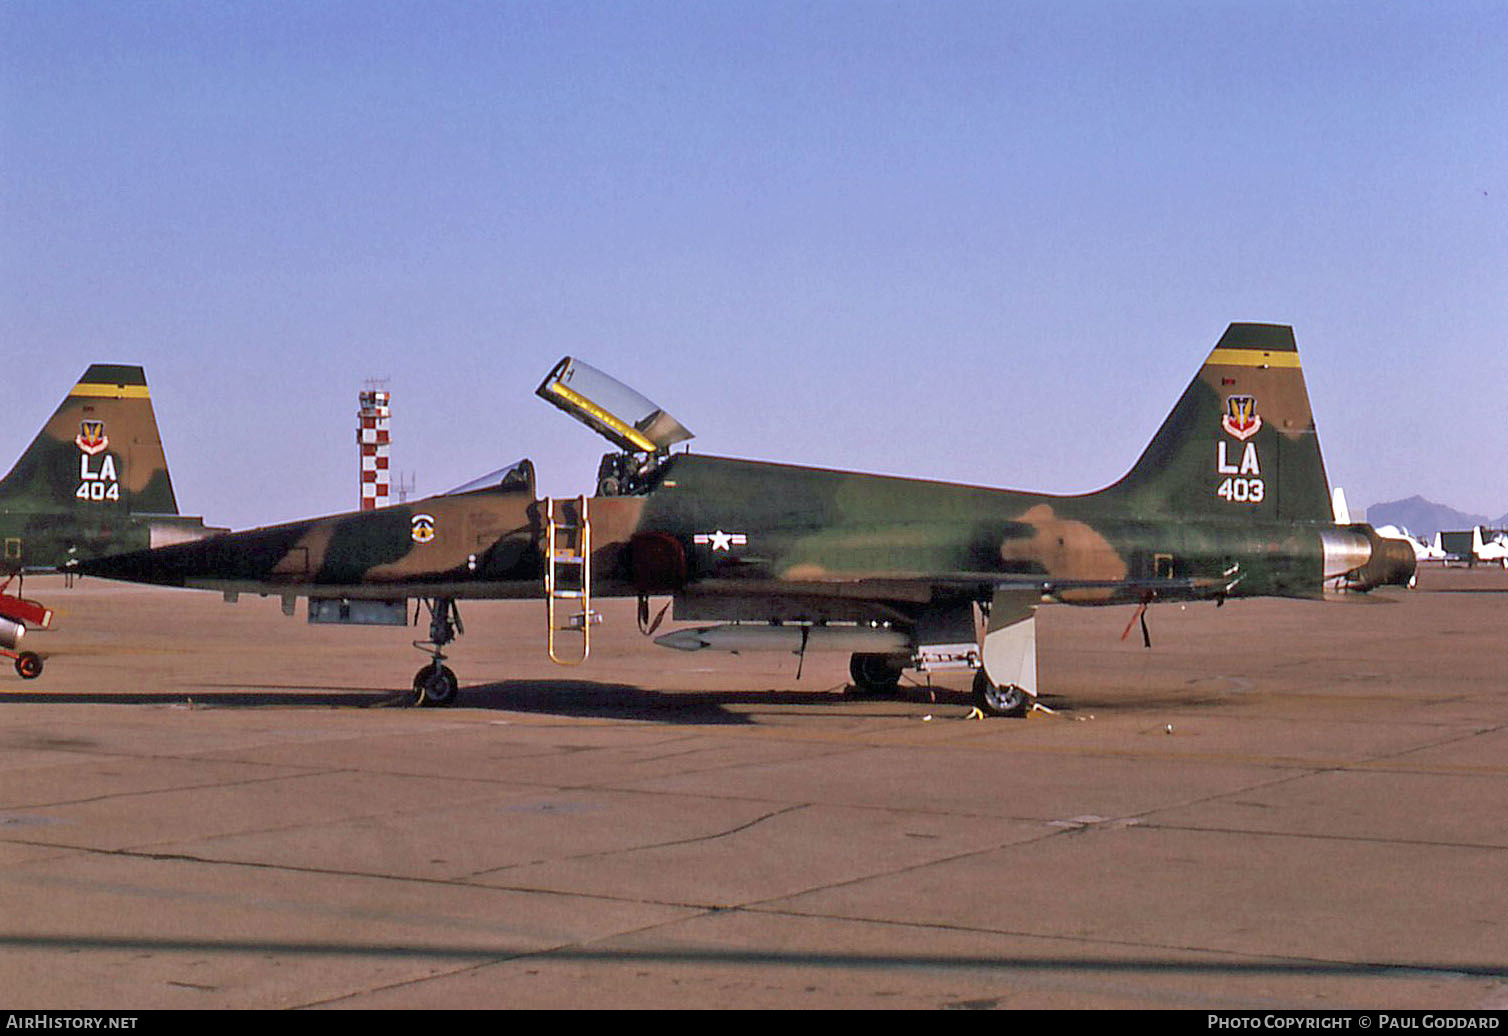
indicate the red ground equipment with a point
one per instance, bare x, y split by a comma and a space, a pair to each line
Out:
17, 615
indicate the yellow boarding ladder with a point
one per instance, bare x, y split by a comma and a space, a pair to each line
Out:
568, 576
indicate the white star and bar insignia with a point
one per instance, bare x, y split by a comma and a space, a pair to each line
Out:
720, 540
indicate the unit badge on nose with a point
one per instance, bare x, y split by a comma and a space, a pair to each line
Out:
1241, 418
92, 438
423, 528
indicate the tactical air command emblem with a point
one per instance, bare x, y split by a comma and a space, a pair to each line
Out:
1241, 418
92, 438
423, 528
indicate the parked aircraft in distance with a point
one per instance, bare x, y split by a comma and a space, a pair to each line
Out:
1230, 499
1495, 549
1477, 545
1491, 551
94, 481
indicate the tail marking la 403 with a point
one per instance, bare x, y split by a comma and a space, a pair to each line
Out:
1244, 483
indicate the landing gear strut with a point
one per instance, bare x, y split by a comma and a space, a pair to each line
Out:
435, 685
1009, 653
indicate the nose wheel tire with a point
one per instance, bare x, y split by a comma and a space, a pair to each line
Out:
28, 665
994, 700
435, 686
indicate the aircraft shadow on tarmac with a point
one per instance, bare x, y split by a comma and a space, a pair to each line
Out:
213, 696
623, 701
989, 963
567, 698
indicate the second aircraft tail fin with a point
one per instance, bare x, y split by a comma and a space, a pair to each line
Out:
99, 452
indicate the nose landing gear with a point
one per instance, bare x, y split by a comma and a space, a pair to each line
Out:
435, 685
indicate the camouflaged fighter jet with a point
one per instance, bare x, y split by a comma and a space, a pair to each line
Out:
94, 481
1229, 500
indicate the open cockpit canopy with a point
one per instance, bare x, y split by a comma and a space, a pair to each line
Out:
611, 408
516, 477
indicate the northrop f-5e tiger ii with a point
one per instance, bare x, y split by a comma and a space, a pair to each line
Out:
1230, 499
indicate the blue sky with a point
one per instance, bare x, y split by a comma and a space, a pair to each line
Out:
983, 242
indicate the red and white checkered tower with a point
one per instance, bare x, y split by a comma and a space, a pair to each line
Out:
372, 441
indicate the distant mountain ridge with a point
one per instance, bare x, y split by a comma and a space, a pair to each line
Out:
1424, 517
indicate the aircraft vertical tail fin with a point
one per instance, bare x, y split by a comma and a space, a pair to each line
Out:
99, 453
1241, 440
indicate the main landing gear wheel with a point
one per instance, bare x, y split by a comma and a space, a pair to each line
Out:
435, 686
874, 675
29, 665
994, 700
